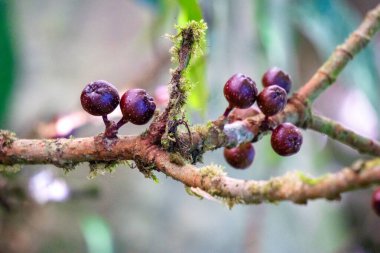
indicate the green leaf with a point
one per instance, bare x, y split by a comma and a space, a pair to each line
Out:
7, 68
190, 10
276, 34
97, 234
196, 72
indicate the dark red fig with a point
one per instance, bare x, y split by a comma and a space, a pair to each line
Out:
286, 139
240, 91
137, 106
99, 98
272, 100
376, 201
240, 157
276, 76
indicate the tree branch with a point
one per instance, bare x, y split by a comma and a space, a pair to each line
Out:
295, 186
344, 135
329, 71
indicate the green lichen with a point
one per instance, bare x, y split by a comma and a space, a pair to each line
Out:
185, 87
101, 168
211, 134
7, 138
154, 178
231, 202
264, 191
310, 180
212, 170
193, 193
214, 194
67, 166
210, 124
128, 163
371, 163
10, 169
196, 30
147, 170
187, 44
176, 158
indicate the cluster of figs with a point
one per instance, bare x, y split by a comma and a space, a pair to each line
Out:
241, 93
100, 98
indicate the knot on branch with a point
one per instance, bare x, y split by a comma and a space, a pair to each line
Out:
177, 140
6, 140
104, 143
303, 108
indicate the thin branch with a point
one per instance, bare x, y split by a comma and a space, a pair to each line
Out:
344, 135
294, 186
329, 71
185, 44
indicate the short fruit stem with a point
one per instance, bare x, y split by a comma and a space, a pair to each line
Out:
121, 122
266, 125
106, 121
228, 110
111, 128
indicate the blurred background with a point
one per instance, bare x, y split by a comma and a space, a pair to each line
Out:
49, 50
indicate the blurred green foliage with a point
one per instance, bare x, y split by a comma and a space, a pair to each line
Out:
326, 24
97, 234
196, 73
7, 63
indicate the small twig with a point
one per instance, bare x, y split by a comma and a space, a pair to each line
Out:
344, 135
185, 42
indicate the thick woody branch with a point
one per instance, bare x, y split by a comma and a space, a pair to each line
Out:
329, 71
295, 187
68, 151
344, 135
